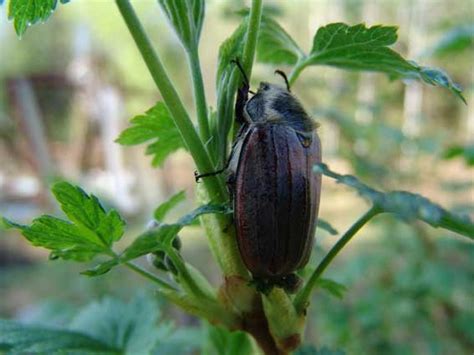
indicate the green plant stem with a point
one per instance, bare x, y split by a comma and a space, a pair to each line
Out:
252, 36
188, 281
302, 298
199, 95
296, 71
214, 185
149, 275
247, 63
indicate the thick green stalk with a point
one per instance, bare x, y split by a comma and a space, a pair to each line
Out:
214, 185
247, 63
302, 298
188, 283
222, 241
199, 95
252, 36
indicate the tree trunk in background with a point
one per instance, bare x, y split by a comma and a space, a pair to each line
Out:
96, 100
31, 123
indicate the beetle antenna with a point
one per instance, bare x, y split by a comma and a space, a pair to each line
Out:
283, 75
236, 61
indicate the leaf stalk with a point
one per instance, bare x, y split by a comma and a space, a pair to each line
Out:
302, 298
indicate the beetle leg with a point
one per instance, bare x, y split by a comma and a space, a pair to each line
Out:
242, 98
242, 95
230, 182
198, 176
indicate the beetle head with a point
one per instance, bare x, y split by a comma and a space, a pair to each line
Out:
259, 106
275, 103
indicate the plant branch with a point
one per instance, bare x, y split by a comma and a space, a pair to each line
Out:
226, 113
297, 69
252, 36
214, 185
188, 282
199, 95
302, 298
149, 275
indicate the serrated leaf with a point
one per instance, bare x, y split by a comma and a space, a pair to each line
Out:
91, 230
130, 327
64, 239
358, 47
334, 288
155, 125
186, 17
25, 13
158, 238
161, 237
275, 45
406, 205
84, 210
325, 225
18, 338
163, 209
367, 48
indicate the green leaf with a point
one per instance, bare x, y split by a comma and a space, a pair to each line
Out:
158, 238
28, 12
367, 48
18, 338
357, 47
229, 50
334, 288
227, 81
275, 45
406, 205
163, 209
186, 17
91, 230
155, 125
64, 239
161, 237
325, 225
312, 350
130, 327
224, 342
437, 77
459, 151
86, 211
102, 268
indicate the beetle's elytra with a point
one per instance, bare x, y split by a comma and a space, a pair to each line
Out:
274, 190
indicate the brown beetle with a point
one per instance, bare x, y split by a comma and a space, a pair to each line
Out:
274, 190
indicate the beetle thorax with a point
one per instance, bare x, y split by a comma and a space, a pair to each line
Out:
274, 104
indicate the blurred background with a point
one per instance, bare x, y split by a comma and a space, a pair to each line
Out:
69, 87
